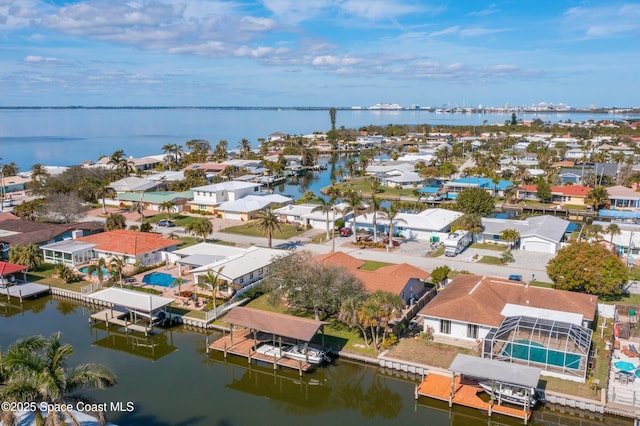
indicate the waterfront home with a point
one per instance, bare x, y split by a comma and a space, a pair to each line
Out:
520, 323
247, 207
569, 194
404, 280
154, 200
15, 231
210, 169
304, 215
454, 187
600, 171
540, 233
208, 197
144, 248
10, 184
621, 197
239, 271
422, 226
141, 164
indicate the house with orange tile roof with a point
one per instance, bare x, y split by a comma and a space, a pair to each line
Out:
145, 248
516, 322
569, 194
402, 279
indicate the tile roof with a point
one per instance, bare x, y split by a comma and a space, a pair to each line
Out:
573, 190
7, 268
480, 300
392, 278
124, 241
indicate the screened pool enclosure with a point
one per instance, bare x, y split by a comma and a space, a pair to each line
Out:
560, 349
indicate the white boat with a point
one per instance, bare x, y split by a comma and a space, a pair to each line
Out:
311, 355
513, 394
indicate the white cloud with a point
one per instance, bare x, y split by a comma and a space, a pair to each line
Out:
485, 12
375, 10
296, 11
334, 61
603, 21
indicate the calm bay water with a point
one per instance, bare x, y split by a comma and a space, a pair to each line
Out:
70, 136
172, 381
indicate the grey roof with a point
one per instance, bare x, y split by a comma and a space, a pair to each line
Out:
500, 371
548, 227
273, 322
133, 183
606, 169
68, 246
200, 259
138, 301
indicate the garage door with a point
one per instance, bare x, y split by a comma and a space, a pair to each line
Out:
539, 246
234, 216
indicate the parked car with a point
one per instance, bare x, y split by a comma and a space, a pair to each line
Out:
346, 232
166, 223
515, 277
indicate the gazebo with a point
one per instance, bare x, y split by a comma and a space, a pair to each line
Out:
9, 271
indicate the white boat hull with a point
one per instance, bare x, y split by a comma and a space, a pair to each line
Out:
312, 356
511, 394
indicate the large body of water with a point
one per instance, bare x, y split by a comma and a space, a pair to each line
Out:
172, 381
70, 136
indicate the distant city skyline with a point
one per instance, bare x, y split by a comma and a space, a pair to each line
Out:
319, 53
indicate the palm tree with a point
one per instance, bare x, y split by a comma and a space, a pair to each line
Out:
116, 265
377, 312
167, 206
211, 281
374, 184
99, 189
174, 152
200, 227
354, 205
597, 197
267, 222
510, 235
39, 176
29, 255
245, 148
120, 163
36, 370
468, 222
99, 267
613, 229
391, 215
326, 207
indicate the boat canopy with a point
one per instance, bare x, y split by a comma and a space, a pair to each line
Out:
134, 300
275, 323
499, 371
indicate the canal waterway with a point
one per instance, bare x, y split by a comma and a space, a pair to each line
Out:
171, 380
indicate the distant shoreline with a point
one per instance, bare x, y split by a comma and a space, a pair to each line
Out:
487, 110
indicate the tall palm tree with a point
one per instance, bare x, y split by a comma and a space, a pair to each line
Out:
374, 184
613, 229
211, 281
267, 222
39, 176
200, 227
174, 152
245, 148
120, 164
390, 214
99, 267
115, 267
167, 207
326, 207
355, 206
36, 371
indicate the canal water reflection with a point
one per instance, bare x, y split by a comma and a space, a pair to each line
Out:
171, 380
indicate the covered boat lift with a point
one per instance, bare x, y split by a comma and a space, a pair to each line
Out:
123, 302
275, 325
462, 392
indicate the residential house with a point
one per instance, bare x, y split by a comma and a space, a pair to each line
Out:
621, 197
10, 184
403, 279
239, 271
600, 172
154, 200
144, 248
422, 226
306, 215
569, 194
454, 187
134, 184
475, 308
539, 234
208, 197
247, 207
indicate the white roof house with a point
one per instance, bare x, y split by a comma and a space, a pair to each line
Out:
246, 207
207, 197
541, 233
305, 215
422, 226
133, 184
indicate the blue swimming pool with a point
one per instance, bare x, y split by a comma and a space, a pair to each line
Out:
85, 270
536, 352
625, 366
159, 278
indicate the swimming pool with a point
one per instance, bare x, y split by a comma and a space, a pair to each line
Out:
625, 366
159, 278
85, 270
536, 352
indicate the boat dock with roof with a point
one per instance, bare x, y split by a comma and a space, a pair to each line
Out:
463, 389
261, 327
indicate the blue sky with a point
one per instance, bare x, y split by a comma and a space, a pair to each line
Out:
319, 52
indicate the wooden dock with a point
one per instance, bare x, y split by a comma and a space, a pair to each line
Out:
241, 343
115, 317
439, 387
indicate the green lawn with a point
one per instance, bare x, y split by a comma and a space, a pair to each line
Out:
177, 218
286, 230
488, 246
372, 265
491, 260
44, 275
